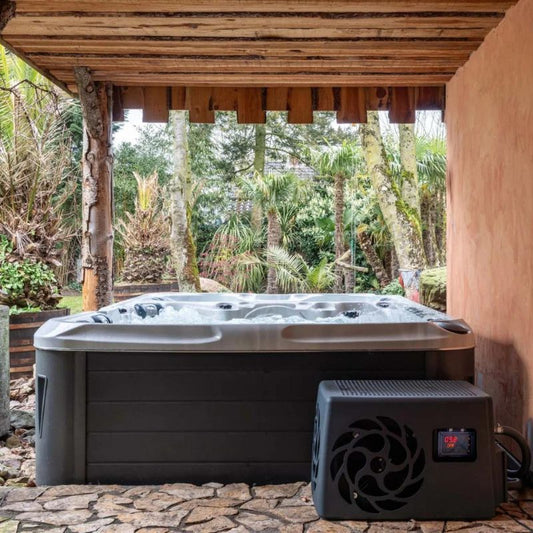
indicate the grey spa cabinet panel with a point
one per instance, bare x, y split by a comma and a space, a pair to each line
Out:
120, 413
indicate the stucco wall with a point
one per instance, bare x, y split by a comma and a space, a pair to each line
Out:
489, 117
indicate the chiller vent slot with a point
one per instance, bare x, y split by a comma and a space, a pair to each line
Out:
377, 464
41, 386
316, 449
406, 389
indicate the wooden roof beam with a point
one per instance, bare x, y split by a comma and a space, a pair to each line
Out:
263, 6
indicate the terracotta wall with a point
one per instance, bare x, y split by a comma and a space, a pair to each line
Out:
490, 209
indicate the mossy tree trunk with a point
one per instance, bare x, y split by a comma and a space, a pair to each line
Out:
440, 227
259, 168
273, 241
364, 240
402, 220
427, 209
339, 229
409, 185
183, 249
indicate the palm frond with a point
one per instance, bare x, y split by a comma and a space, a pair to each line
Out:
321, 277
290, 269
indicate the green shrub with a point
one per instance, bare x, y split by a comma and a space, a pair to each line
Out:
433, 288
393, 288
25, 284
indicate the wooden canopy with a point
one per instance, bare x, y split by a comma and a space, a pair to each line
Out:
255, 55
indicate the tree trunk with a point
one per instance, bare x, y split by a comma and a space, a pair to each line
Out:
428, 229
259, 168
409, 190
403, 227
402, 221
394, 265
5, 422
349, 280
440, 227
183, 250
373, 259
97, 191
339, 229
273, 240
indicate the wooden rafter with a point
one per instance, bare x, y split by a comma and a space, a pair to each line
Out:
263, 6
253, 43
350, 103
272, 54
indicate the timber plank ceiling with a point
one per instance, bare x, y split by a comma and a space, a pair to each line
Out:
307, 48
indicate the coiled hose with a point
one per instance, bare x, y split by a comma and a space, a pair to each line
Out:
523, 471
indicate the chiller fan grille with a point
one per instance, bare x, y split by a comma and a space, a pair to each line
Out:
377, 464
316, 449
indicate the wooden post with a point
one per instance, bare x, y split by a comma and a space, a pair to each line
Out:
4, 371
97, 166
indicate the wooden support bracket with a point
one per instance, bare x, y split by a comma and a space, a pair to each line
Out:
300, 105
118, 105
178, 97
225, 98
251, 106
353, 106
377, 98
277, 99
324, 99
403, 105
199, 102
351, 103
156, 104
132, 97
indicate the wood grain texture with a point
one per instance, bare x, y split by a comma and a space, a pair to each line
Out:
156, 104
351, 103
282, 46
264, 6
199, 103
253, 27
264, 80
300, 105
137, 46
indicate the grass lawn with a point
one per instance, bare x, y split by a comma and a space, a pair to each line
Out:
72, 302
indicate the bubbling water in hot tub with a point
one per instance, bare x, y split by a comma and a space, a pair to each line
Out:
243, 311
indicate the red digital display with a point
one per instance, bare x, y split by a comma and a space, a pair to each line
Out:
450, 439
455, 445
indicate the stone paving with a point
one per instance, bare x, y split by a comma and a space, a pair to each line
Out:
210, 508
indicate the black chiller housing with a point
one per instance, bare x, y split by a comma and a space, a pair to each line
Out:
405, 449
219, 387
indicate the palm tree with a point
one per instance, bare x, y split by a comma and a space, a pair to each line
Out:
431, 172
35, 178
232, 257
295, 275
145, 234
339, 163
272, 192
431, 166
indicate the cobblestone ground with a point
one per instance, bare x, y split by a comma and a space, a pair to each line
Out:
210, 508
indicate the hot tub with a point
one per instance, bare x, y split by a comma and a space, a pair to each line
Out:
219, 387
